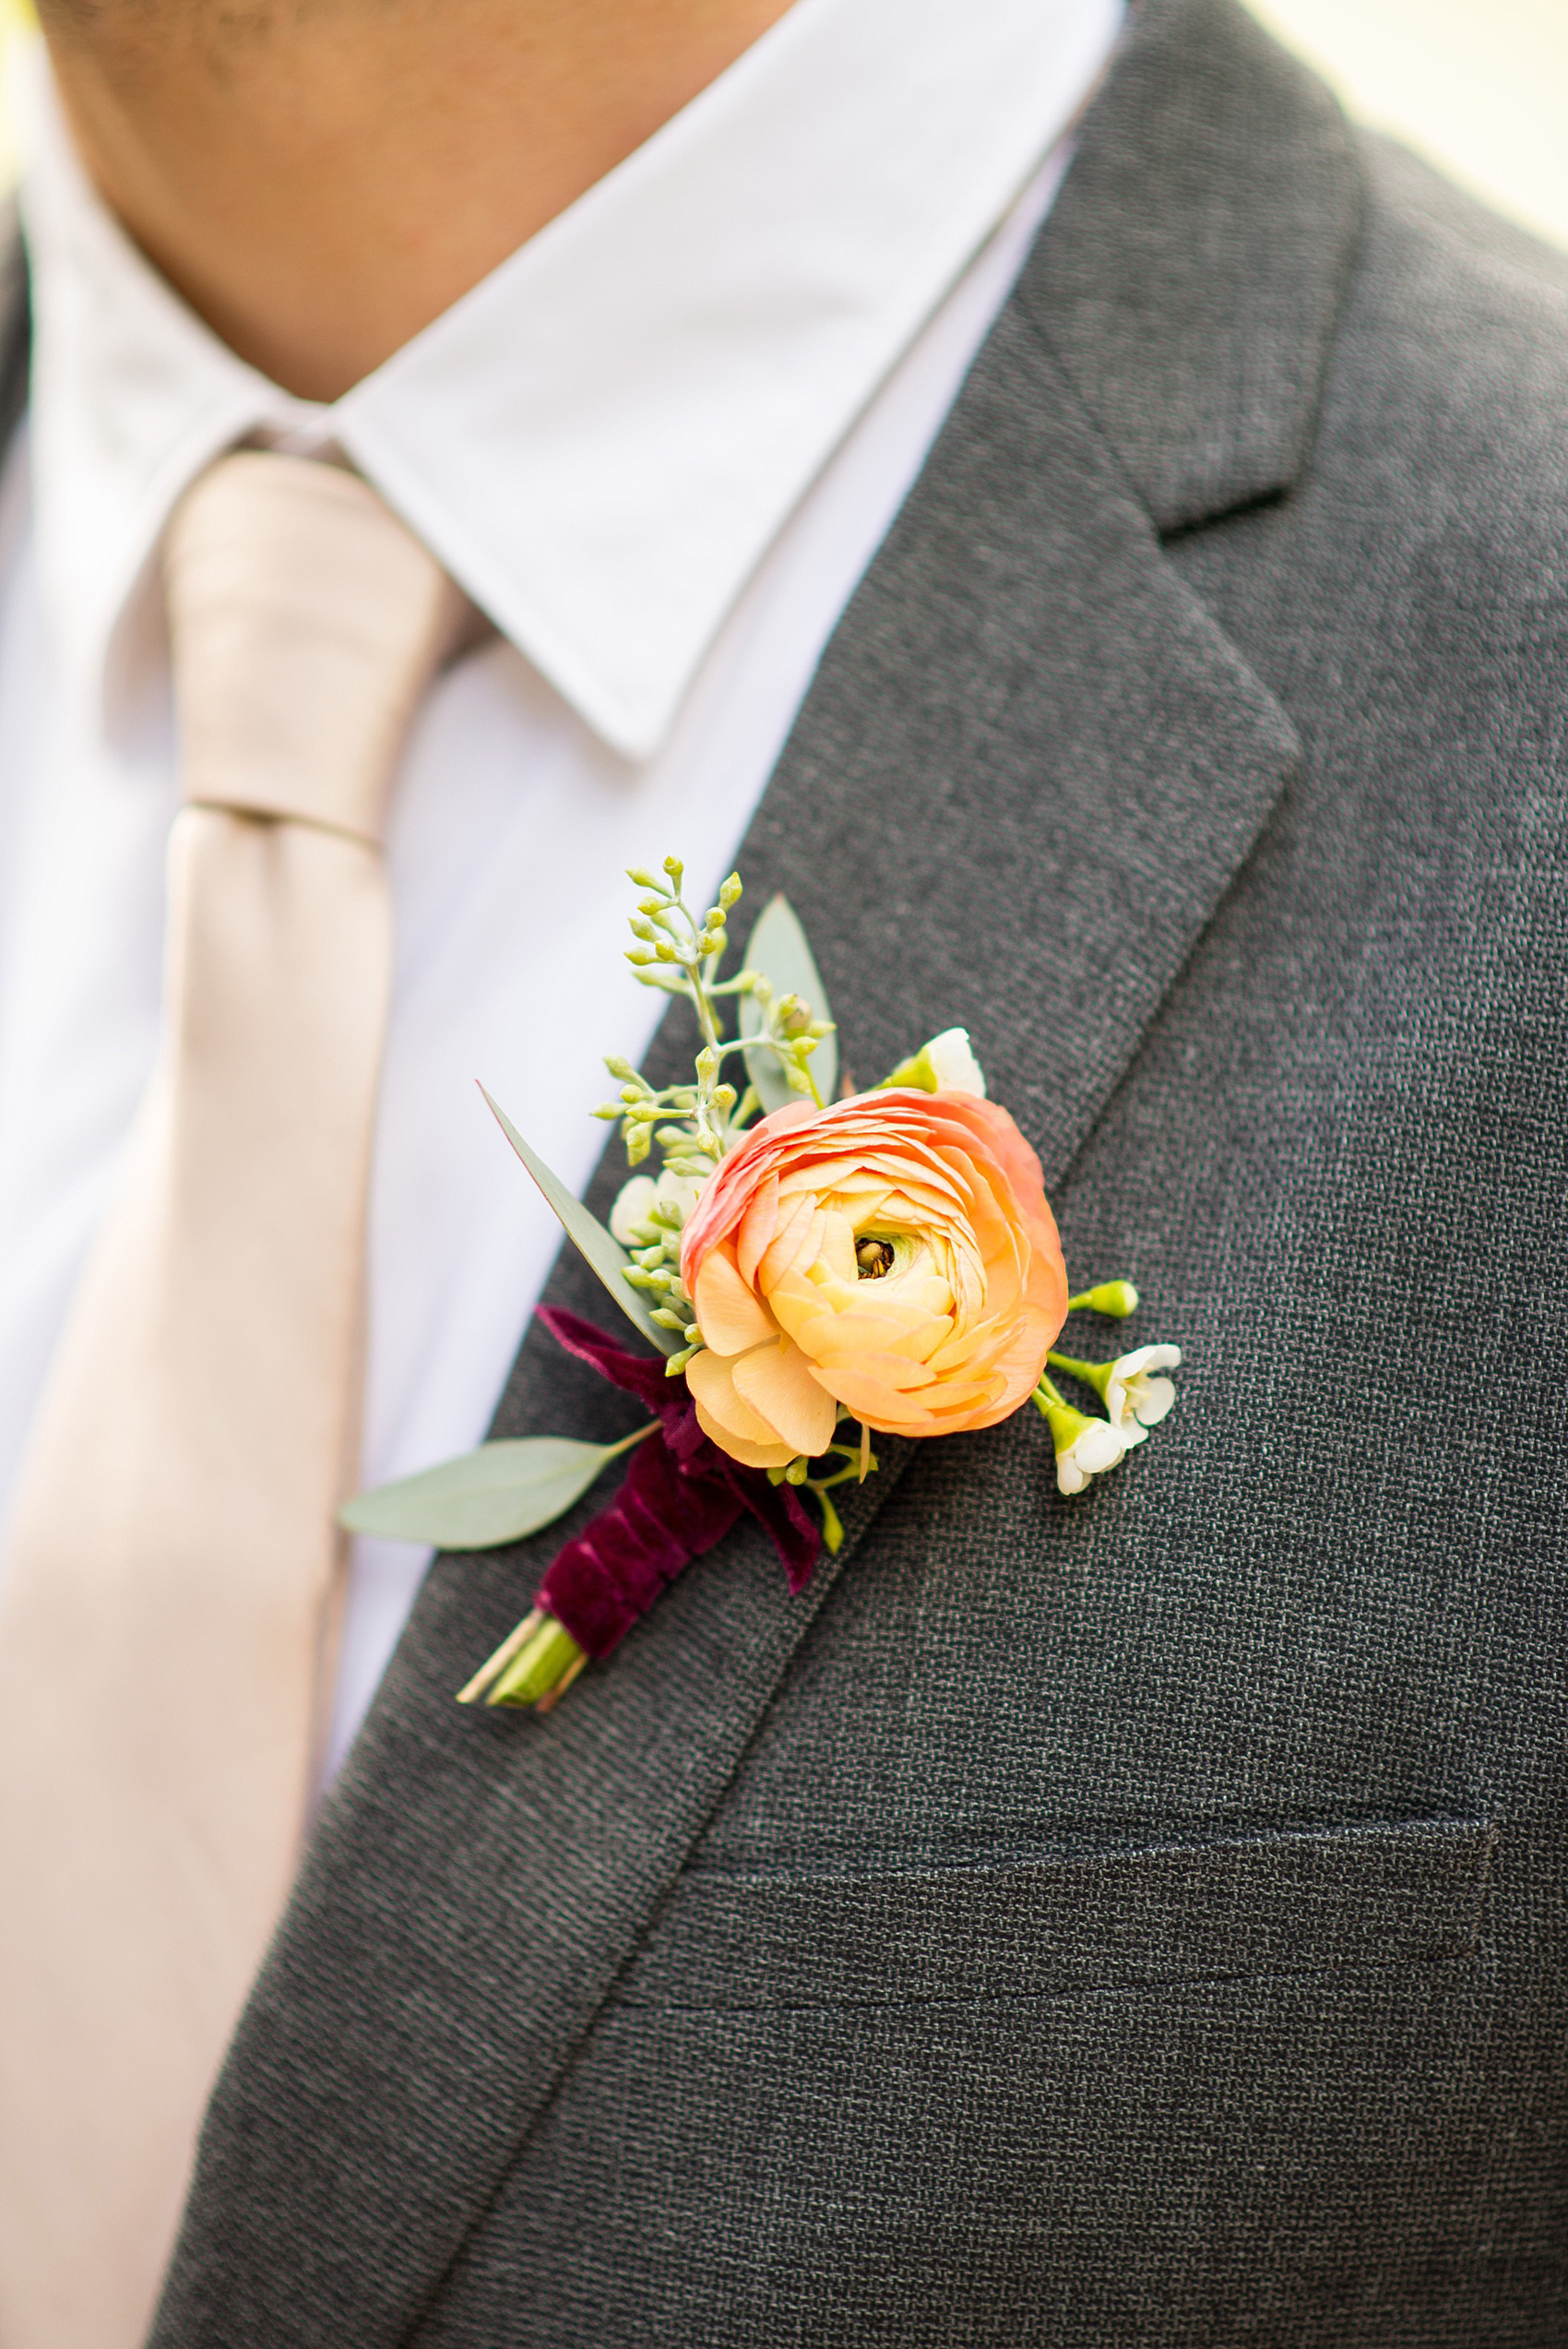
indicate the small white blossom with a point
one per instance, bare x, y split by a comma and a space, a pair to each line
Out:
952, 1063
1094, 1447
1084, 1447
636, 1199
1136, 1395
945, 1065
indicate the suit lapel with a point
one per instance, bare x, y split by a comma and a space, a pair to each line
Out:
1029, 769
15, 325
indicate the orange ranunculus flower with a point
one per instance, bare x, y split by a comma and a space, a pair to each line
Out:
893, 1253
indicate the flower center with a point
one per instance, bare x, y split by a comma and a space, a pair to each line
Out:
874, 1258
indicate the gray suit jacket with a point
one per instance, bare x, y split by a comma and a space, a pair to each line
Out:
1137, 1918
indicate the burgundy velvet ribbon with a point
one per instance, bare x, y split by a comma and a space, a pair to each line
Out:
680, 1494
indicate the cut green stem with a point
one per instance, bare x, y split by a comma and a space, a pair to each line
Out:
540, 1665
496, 1663
1093, 1373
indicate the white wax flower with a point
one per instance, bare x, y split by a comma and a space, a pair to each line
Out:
952, 1062
945, 1065
1094, 1447
1136, 1395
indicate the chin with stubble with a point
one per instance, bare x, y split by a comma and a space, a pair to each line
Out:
321, 178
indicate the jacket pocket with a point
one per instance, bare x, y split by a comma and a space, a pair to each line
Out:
1069, 1921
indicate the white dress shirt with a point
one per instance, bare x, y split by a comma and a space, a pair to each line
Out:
659, 447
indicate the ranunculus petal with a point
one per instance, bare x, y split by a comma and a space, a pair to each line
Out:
794, 1300
964, 1347
837, 1337
790, 1242
757, 1227
728, 1418
739, 1447
922, 1414
776, 1382
838, 1251
729, 1315
894, 1371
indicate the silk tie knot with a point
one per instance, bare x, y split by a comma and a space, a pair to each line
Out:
305, 621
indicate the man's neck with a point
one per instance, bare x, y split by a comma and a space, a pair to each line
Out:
320, 182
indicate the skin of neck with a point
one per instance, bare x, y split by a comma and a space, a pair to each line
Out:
319, 179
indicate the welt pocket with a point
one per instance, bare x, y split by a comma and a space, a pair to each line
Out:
1070, 1920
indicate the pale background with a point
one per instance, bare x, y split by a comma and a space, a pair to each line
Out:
1478, 85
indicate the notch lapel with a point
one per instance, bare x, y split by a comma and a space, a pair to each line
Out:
1027, 771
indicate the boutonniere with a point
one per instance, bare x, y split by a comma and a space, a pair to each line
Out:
810, 1273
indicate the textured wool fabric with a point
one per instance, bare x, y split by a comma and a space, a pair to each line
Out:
1135, 1918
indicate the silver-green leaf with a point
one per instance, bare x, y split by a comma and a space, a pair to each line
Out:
495, 1495
779, 949
585, 1231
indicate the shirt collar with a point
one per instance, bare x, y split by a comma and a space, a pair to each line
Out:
602, 438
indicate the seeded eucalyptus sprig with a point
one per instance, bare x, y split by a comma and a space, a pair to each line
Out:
693, 1123
681, 953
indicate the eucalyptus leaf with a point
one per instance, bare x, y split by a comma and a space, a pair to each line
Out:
585, 1231
495, 1495
779, 949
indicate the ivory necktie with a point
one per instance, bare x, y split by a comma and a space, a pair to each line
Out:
167, 1605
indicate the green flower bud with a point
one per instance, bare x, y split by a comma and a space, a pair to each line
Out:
640, 956
643, 878
663, 951
730, 894
797, 1472
1116, 1298
641, 929
674, 867
636, 1144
